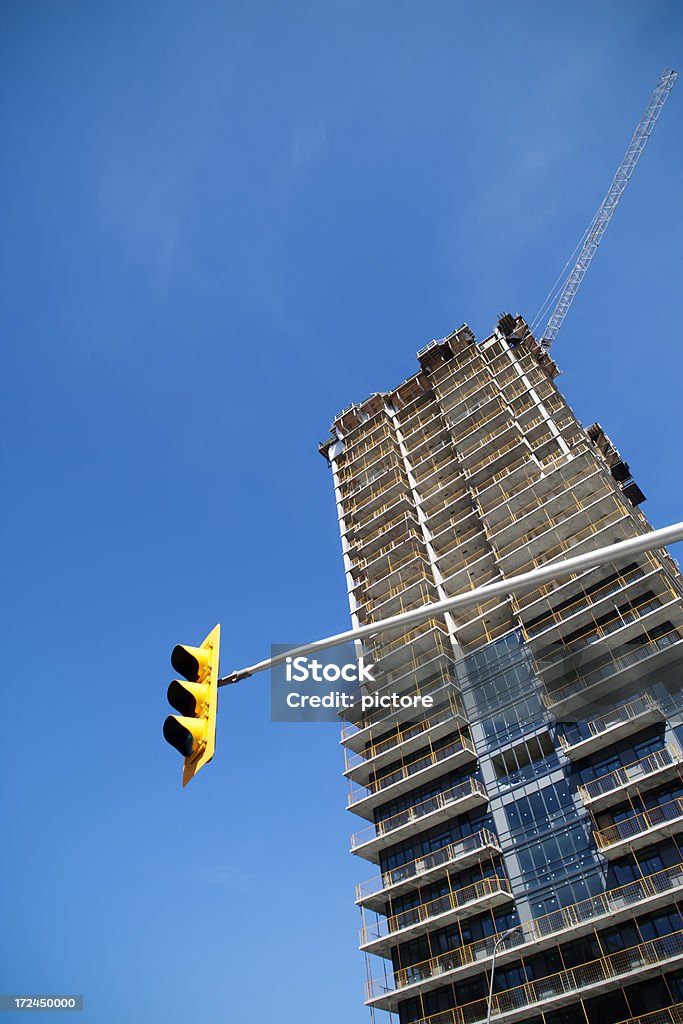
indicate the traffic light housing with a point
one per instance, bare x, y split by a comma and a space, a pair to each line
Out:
193, 732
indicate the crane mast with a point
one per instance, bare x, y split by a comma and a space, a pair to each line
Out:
597, 229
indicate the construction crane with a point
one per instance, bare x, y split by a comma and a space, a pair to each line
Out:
567, 285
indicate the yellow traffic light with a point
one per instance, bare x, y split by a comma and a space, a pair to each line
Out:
193, 731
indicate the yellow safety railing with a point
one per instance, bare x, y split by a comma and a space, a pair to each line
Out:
653, 763
419, 573
556, 923
483, 889
582, 601
433, 685
396, 559
539, 502
462, 745
446, 529
550, 521
442, 801
668, 1015
382, 650
389, 463
427, 427
389, 524
456, 540
497, 406
479, 384
611, 663
403, 733
619, 512
480, 443
573, 979
452, 498
561, 648
389, 480
638, 823
368, 442
479, 843
372, 516
626, 713
478, 466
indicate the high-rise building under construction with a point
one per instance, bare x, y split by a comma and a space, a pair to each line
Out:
527, 833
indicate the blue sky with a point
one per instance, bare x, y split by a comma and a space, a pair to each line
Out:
223, 222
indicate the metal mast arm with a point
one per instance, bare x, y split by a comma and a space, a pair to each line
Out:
609, 205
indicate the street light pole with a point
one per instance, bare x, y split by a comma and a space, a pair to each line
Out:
497, 943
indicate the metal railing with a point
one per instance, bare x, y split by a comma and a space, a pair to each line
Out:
668, 1015
480, 443
478, 842
383, 650
618, 513
626, 713
462, 745
374, 516
420, 591
653, 763
549, 522
397, 558
573, 980
474, 470
557, 618
386, 526
404, 733
556, 923
435, 685
611, 664
439, 802
376, 599
639, 823
482, 889
556, 652
540, 502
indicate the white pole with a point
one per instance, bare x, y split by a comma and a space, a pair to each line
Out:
513, 585
496, 946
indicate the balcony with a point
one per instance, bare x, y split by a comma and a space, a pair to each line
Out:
413, 592
484, 894
576, 478
545, 532
362, 765
616, 725
587, 604
431, 636
668, 1015
642, 895
626, 620
395, 531
480, 472
590, 684
601, 975
426, 869
642, 829
418, 818
426, 675
429, 765
388, 566
646, 773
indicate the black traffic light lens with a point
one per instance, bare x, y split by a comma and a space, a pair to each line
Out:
185, 663
181, 699
178, 736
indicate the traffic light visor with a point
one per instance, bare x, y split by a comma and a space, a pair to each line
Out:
178, 736
190, 662
187, 698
